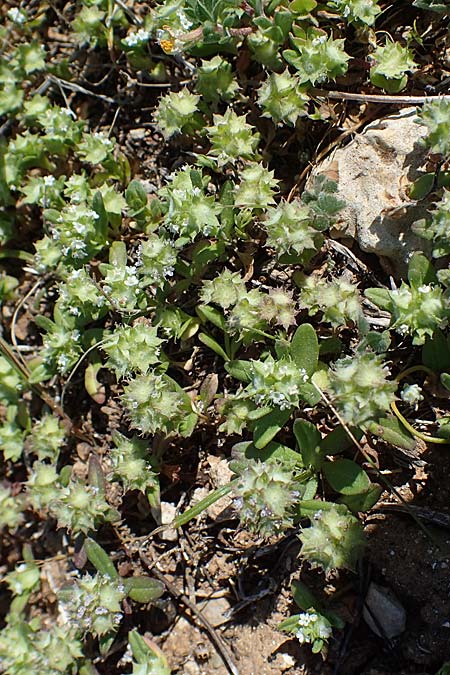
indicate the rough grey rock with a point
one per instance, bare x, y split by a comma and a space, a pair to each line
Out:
373, 172
383, 613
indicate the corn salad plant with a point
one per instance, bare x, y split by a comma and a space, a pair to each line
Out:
141, 278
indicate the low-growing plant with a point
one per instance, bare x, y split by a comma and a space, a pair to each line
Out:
184, 293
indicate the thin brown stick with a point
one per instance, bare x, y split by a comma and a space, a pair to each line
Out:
378, 98
72, 86
213, 634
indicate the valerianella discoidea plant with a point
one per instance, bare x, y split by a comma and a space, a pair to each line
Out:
416, 310
282, 98
276, 383
265, 493
132, 349
289, 229
92, 604
360, 388
155, 403
334, 540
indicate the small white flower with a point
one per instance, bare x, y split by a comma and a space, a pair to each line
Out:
411, 394
17, 15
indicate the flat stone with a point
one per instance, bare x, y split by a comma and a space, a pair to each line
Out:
373, 173
383, 612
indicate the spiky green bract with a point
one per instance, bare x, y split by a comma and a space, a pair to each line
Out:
435, 115
364, 11
265, 496
81, 508
95, 147
47, 438
131, 463
23, 579
318, 57
278, 307
232, 139
360, 388
175, 113
245, 317
257, 187
156, 404
276, 383
156, 260
132, 349
61, 344
338, 300
10, 382
289, 228
80, 297
28, 649
190, 211
10, 509
12, 435
437, 228
92, 604
282, 98
42, 485
77, 233
224, 290
334, 540
235, 413
215, 80
391, 63
418, 311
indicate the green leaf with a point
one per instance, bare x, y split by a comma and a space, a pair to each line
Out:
239, 369
272, 451
391, 430
445, 379
364, 501
106, 642
201, 506
379, 342
308, 439
212, 344
309, 393
303, 597
421, 271
311, 488
379, 296
268, 426
214, 316
304, 348
42, 373
143, 589
307, 435
306, 508
150, 656
338, 440
302, 6
346, 477
422, 186
98, 557
136, 198
436, 352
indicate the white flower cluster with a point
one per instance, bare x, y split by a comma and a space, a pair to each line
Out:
134, 39
17, 15
411, 394
312, 626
